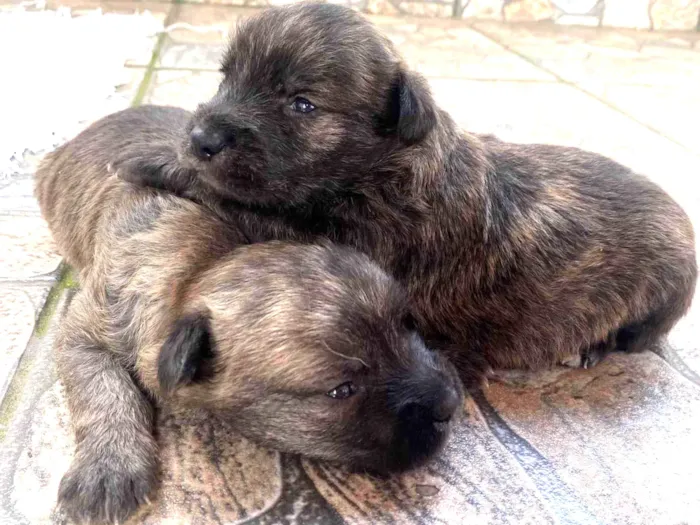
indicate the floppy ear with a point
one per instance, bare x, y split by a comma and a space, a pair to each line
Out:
414, 107
187, 354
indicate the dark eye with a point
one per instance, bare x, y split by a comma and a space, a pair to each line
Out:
343, 391
301, 105
409, 322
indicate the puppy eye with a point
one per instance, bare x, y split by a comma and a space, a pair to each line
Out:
343, 391
301, 105
409, 322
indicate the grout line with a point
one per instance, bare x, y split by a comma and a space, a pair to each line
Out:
175, 68
155, 55
578, 88
11, 214
429, 77
29, 281
239, 7
487, 79
564, 500
671, 357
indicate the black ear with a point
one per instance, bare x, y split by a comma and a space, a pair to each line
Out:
187, 354
414, 107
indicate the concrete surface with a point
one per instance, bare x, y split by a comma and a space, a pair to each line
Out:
616, 444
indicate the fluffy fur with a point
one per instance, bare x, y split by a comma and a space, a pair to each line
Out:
304, 347
513, 255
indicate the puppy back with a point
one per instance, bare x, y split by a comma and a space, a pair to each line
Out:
77, 186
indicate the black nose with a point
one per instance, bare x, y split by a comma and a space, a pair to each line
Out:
437, 407
446, 406
206, 143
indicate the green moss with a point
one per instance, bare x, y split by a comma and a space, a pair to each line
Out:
70, 281
66, 281
150, 69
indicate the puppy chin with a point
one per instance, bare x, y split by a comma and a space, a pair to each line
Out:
248, 188
410, 451
218, 177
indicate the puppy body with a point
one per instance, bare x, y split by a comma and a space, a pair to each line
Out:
303, 347
516, 255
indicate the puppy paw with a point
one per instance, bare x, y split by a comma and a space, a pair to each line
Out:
105, 489
161, 169
589, 357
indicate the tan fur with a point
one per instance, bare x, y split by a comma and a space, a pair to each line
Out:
514, 255
175, 305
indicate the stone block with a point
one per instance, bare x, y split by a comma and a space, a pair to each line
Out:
28, 249
425, 9
483, 9
17, 196
184, 89
528, 10
675, 15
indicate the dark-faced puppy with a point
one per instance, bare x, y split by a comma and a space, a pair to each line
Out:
518, 255
305, 348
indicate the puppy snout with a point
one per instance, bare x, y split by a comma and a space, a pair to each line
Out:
446, 406
438, 405
208, 142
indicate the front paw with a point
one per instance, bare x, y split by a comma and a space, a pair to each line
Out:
589, 357
105, 489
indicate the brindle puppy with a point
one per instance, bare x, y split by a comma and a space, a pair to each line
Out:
304, 347
522, 255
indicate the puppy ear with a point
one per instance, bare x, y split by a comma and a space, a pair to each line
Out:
188, 353
414, 106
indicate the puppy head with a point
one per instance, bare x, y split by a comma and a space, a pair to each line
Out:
313, 99
307, 350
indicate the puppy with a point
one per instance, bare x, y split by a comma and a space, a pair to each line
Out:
516, 255
304, 347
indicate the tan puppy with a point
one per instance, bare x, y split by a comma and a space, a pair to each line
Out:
304, 347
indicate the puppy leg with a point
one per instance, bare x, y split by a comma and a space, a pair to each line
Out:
114, 468
632, 337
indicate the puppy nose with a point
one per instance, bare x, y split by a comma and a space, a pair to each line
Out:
206, 143
446, 406
438, 406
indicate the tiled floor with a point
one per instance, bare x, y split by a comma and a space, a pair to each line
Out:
615, 444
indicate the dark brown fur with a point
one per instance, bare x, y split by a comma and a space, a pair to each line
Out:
175, 305
515, 255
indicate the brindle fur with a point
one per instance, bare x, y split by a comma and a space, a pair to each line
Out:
176, 306
514, 255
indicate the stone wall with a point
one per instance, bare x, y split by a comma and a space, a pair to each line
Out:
659, 15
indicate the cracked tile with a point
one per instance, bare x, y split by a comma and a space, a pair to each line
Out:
623, 434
